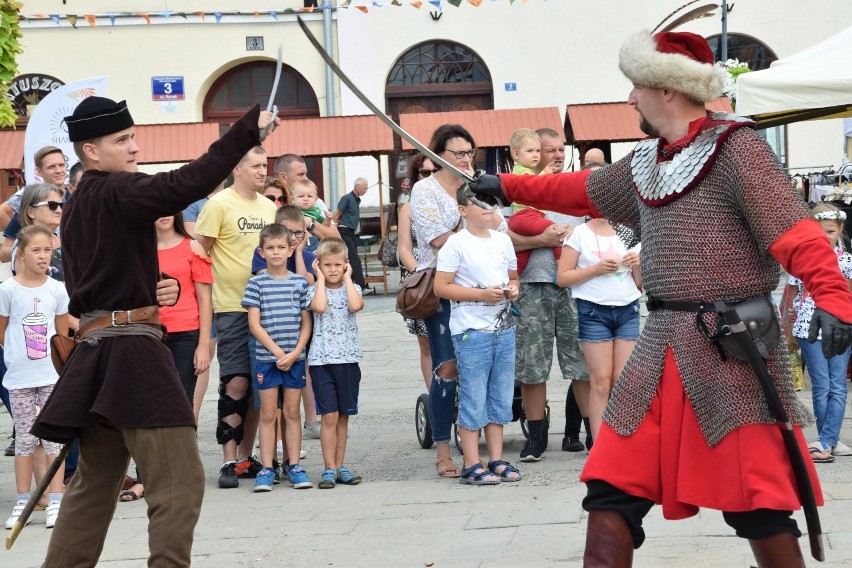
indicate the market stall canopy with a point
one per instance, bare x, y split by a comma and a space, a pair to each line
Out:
612, 122
489, 128
331, 136
183, 142
814, 83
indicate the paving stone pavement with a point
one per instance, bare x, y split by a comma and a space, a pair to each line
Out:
403, 515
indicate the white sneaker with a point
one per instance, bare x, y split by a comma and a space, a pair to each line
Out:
52, 514
312, 431
16, 512
841, 449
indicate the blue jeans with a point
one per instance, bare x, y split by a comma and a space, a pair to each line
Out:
442, 394
487, 370
597, 322
828, 377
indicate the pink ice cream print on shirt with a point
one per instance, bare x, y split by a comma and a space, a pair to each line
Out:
609, 253
35, 333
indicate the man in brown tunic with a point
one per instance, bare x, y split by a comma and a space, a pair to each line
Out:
119, 391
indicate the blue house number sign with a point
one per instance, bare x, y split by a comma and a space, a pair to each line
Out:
167, 88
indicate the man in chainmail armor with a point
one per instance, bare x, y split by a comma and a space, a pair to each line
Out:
687, 425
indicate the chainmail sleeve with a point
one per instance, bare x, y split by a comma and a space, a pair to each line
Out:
612, 192
762, 189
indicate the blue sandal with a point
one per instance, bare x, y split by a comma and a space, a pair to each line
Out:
477, 475
507, 469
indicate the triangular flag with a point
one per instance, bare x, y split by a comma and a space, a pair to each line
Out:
274, 14
345, 4
475, 2
91, 20
200, 14
166, 15
182, 15
363, 9
256, 13
145, 17
55, 18
396, 3
455, 3
72, 19
436, 3
111, 19
377, 5
308, 9
416, 4
218, 16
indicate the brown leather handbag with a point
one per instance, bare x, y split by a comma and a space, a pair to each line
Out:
61, 347
416, 298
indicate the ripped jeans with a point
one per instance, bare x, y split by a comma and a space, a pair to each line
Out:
442, 394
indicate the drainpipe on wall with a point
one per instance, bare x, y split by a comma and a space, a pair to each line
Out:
330, 101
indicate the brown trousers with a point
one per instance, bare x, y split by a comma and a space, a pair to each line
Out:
170, 464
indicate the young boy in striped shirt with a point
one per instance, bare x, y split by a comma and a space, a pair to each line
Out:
277, 305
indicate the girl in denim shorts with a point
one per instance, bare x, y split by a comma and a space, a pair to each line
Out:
606, 284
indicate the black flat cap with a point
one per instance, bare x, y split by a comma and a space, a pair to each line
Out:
97, 116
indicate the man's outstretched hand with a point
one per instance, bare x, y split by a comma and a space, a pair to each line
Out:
836, 334
487, 188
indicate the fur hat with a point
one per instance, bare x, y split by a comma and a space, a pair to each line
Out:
680, 61
97, 116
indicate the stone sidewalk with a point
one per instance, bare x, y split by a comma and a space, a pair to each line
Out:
403, 515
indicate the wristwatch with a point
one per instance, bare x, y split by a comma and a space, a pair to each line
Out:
312, 225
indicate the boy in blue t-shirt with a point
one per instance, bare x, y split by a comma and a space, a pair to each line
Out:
335, 353
278, 319
302, 260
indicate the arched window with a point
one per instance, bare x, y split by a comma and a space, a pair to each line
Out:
759, 56
246, 85
436, 76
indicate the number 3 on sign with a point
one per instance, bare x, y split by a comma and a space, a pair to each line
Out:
167, 88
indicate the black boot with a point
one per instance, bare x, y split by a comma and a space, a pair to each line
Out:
589, 440
571, 442
779, 551
609, 543
10, 451
534, 446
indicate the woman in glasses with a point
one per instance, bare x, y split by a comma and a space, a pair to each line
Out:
41, 204
434, 217
275, 191
420, 167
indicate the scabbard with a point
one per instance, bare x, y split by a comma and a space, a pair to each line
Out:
740, 333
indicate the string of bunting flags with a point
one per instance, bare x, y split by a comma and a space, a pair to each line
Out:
92, 19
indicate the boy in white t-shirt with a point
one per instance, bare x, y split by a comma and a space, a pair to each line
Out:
477, 271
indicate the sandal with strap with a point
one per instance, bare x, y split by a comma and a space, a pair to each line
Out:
477, 475
820, 456
507, 470
449, 469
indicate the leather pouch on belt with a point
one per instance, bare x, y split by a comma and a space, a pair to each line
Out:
758, 314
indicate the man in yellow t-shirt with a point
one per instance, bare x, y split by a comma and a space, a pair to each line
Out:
228, 228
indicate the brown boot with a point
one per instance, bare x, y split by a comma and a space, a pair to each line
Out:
609, 543
779, 551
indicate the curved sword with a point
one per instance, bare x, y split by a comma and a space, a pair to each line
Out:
375, 110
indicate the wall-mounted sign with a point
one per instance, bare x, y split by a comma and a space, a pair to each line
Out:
511, 86
29, 89
254, 43
167, 88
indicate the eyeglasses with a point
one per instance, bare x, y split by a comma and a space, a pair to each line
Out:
459, 155
271, 198
427, 173
298, 233
52, 205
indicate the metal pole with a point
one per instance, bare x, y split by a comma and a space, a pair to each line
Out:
724, 38
330, 102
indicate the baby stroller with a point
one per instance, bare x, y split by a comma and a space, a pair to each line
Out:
424, 429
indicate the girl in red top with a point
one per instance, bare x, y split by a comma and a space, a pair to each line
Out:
188, 321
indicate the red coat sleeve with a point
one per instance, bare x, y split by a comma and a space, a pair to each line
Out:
804, 252
562, 193
528, 222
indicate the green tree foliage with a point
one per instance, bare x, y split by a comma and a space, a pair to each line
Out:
10, 47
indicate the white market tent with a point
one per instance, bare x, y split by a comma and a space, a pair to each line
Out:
814, 83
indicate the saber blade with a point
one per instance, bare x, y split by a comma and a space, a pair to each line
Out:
277, 78
375, 110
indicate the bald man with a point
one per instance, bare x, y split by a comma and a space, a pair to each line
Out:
347, 217
594, 155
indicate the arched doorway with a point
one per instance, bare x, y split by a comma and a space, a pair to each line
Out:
240, 88
435, 76
759, 56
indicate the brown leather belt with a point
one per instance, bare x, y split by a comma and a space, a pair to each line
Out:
148, 315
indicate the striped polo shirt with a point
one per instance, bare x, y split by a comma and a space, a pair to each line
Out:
281, 301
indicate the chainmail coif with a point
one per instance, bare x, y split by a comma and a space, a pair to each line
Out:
708, 244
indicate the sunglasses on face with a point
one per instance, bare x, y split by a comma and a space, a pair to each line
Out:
426, 173
52, 205
459, 155
271, 198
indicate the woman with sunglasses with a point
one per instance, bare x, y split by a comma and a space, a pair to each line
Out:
434, 217
420, 167
275, 191
41, 204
